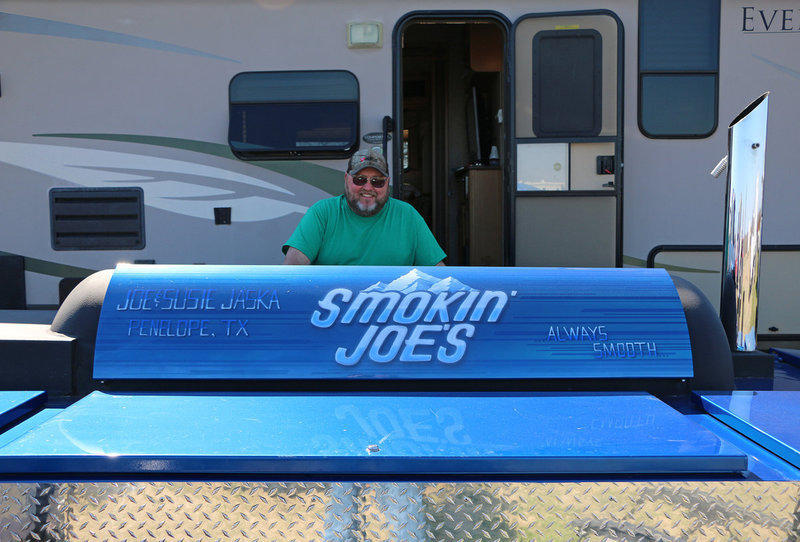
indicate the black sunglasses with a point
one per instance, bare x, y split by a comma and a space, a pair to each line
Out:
361, 180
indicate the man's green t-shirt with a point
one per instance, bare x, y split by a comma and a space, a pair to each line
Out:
330, 233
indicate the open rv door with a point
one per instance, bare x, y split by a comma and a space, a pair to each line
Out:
566, 142
451, 85
510, 137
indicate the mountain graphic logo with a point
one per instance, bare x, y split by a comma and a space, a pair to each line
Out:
414, 318
417, 281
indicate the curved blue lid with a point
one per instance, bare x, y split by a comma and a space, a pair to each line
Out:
318, 322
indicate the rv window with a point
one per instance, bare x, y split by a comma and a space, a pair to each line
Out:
567, 85
280, 115
678, 67
678, 105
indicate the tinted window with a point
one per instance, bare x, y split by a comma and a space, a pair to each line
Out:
278, 115
678, 67
567, 83
679, 35
679, 105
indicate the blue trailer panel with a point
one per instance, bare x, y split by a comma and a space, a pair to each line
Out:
341, 436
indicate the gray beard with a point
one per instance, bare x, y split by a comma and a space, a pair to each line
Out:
367, 210
362, 209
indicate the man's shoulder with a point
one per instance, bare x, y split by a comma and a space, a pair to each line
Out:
330, 202
402, 210
327, 204
401, 206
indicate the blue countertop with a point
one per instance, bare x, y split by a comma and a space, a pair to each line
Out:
769, 418
16, 404
340, 435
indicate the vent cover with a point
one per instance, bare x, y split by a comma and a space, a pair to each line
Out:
97, 218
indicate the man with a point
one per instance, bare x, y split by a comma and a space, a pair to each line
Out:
364, 226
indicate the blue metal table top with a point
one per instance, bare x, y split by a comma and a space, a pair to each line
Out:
15, 404
766, 417
788, 355
337, 436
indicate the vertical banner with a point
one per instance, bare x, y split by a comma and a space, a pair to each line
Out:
319, 322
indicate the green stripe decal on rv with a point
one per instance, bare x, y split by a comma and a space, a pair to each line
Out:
326, 179
53, 269
633, 262
638, 262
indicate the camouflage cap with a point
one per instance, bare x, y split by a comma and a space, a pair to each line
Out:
368, 158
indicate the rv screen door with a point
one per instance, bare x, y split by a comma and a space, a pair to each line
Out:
566, 140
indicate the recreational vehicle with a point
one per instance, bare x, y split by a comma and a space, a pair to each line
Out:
526, 133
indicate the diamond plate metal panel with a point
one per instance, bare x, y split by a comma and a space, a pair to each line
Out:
367, 511
19, 510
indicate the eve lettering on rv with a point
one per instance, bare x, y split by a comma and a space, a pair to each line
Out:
768, 20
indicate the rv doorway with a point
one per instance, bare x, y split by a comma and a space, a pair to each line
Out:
452, 98
511, 137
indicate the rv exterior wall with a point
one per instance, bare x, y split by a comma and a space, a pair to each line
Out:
135, 94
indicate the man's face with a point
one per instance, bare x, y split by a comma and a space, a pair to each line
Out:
366, 200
